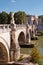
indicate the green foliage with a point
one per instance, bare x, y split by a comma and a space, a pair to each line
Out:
9, 17
20, 17
35, 55
3, 17
41, 33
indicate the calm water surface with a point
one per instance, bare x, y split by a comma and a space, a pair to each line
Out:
39, 45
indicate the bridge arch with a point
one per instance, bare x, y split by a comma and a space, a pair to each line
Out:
21, 38
4, 50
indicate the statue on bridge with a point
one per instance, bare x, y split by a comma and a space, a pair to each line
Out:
28, 35
15, 49
13, 25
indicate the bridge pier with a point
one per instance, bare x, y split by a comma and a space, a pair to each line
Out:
15, 49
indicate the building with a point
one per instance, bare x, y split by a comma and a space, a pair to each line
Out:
40, 23
31, 19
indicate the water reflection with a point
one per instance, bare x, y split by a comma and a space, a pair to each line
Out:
39, 45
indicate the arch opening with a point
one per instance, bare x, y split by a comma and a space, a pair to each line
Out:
21, 38
3, 53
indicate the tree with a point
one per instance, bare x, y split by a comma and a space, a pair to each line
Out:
9, 18
3, 18
20, 17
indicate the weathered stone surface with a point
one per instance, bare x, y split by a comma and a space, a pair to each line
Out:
9, 38
15, 49
28, 63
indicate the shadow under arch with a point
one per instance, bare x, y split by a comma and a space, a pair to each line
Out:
21, 38
3, 53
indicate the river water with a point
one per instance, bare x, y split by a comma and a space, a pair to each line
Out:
39, 44
28, 51
41, 52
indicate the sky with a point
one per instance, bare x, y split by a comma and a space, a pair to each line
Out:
32, 7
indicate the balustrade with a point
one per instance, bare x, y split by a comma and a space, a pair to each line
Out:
7, 27
4, 28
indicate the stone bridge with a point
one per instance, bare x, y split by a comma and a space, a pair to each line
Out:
11, 36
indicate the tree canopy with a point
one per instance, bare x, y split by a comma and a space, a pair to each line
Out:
20, 17
3, 17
